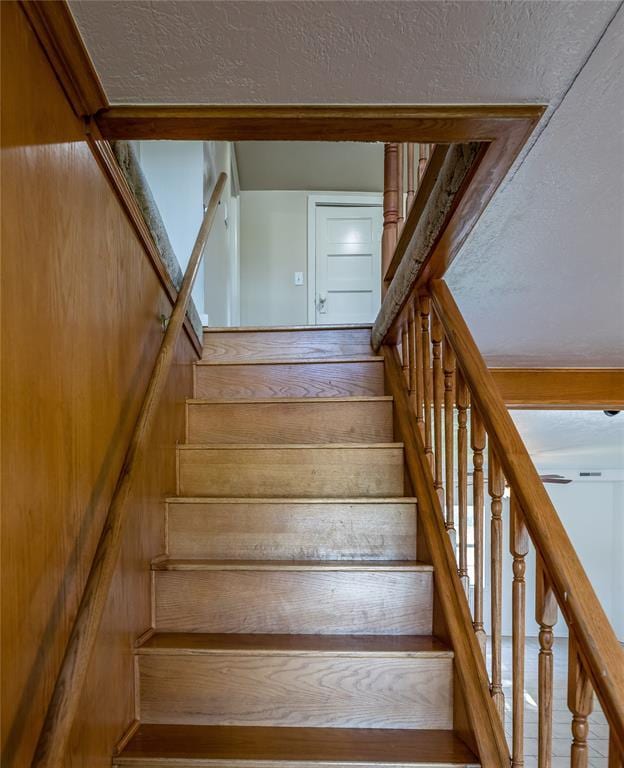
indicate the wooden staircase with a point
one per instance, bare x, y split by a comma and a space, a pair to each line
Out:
293, 624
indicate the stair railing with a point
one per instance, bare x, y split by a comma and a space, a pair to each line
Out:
447, 386
56, 730
417, 165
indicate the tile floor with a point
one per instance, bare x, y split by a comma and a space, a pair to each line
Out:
598, 728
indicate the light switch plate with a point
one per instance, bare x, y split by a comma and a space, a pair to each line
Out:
298, 278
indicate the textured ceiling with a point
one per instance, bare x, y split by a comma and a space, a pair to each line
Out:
563, 440
311, 165
541, 279
371, 51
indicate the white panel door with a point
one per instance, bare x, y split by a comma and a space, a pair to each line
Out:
348, 263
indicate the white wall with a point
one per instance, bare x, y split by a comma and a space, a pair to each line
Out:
175, 173
273, 246
181, 176
593, 516
221, 292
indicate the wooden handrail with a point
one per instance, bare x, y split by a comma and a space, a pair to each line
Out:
470, 667
52, 744
598, 647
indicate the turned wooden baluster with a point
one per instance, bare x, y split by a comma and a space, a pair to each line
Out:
519, 548
420, 382
546, 617
580, 704
477, 438
448, 363
405, 355
411, 191
401, 214
390, 205
438, 389
425, 305
462, 477
411, 353
496, 489
423, 156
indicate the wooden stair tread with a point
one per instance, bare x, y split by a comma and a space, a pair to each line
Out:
296, 645
229, 746
284, 446
306, 400
278, 328
294, 360
197, 564
291, 500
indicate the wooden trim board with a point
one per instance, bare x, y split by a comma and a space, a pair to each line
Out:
56, 29
306, 122
561, 388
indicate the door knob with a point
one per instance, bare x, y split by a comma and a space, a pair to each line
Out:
322, 302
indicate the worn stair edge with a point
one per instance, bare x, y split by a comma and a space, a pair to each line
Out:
195, 746
196, 564
304, 400
283, 446
379, 646
294, 360
278, 328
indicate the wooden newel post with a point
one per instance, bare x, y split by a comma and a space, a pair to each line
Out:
390, 206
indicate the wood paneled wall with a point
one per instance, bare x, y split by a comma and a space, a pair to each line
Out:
80, 331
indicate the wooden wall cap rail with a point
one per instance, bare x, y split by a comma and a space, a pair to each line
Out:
56, 29
470, 665
440, 204
315, 122
579, 605
53, 740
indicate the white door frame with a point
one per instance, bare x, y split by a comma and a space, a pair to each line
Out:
333, 199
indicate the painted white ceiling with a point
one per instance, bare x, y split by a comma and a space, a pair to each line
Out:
541, 279
581, 440
311, 165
